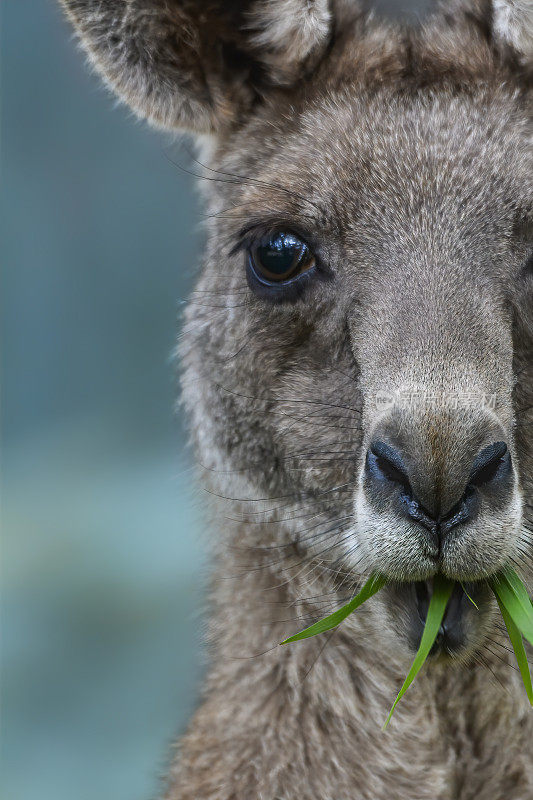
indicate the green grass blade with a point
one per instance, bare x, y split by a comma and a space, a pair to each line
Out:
519, 649
442, 589
468, 596
371, 587
518, 586
512, 594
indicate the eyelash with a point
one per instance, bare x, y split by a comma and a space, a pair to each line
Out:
255, 234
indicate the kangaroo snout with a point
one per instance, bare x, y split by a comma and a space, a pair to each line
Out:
438, 490
391, 473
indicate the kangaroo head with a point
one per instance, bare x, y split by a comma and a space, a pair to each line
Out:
358, 354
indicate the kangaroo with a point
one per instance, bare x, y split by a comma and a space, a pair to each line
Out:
357, 367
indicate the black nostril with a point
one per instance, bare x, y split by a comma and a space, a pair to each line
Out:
492, 462
384, 461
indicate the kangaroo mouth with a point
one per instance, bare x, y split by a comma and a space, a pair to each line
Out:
452, 633
459, 620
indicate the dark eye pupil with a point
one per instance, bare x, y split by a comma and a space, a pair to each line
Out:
280, 256
277, 257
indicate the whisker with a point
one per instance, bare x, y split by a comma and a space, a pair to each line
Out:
288, 400
293, 495
320, 652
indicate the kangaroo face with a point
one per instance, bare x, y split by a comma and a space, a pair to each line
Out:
358, 354
375, 285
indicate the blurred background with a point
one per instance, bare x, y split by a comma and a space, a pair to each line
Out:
103, 561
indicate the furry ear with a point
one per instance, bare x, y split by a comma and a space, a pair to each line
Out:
199, 64
507, 24
513, 24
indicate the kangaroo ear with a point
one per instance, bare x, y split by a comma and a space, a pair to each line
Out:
199, 64
507, 24
513, 24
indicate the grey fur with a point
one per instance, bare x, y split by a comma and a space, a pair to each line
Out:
406, 159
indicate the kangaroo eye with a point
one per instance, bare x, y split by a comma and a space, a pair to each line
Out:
280, 258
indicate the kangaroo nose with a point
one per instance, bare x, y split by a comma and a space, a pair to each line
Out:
390, 477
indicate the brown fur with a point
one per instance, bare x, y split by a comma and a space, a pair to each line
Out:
405, 159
